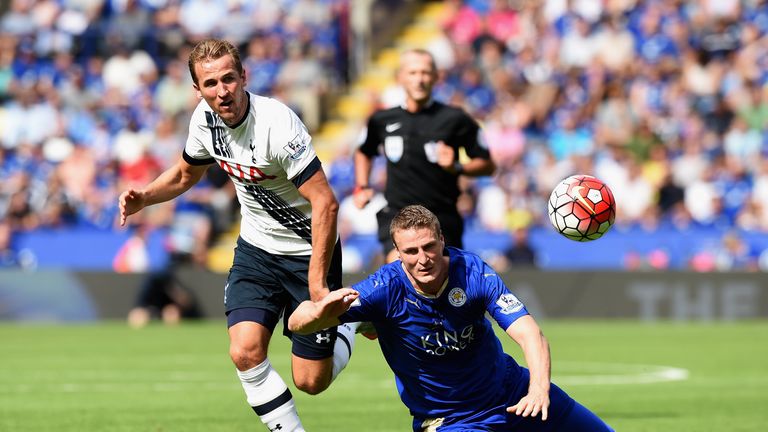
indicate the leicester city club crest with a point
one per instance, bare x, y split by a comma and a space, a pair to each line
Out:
457, 297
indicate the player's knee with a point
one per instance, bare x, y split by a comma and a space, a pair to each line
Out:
245, 357
312, 385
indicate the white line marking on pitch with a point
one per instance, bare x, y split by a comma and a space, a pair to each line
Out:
566, 373
616, 373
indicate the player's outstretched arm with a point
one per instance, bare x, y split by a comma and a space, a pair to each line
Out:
535, 347
171, 183
325, 211
311, 316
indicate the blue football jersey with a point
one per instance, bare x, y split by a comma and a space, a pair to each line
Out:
445, 356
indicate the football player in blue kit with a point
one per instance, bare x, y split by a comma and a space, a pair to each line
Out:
429, 310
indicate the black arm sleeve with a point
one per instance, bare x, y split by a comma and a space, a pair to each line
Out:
197, 162
469, 137
308, 172
370, 145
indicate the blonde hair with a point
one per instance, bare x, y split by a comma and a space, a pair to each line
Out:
212, 49
411, 217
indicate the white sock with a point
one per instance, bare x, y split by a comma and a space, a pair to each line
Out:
270, 398
342, 349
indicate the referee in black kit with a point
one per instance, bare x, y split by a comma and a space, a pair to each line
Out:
421, 140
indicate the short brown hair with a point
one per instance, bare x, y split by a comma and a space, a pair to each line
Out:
212, 49
411, 217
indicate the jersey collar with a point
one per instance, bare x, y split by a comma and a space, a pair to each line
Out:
426, 106
431, 296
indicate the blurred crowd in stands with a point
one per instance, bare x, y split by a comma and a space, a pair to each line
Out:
665, 100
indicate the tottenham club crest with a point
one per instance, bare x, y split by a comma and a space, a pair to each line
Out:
509, 303
457, 297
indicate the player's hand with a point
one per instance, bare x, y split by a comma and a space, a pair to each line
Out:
362, 196
337, 302
446, 156
535, 402
130, 202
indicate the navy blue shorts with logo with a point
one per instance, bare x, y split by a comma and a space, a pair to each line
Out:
262, 287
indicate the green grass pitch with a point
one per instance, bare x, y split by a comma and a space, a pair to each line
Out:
690, 377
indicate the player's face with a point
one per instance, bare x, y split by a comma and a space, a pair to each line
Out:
417, 77
421, 252
223, 87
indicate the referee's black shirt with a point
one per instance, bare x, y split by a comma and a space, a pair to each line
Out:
409, 142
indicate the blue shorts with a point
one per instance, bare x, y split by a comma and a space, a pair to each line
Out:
564, 414
262, 287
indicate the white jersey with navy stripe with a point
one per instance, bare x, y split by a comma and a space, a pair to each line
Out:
266, 155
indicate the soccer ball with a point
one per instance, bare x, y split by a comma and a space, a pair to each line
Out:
582, 208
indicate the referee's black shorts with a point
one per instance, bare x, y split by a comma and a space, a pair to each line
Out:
451, 223
262, 287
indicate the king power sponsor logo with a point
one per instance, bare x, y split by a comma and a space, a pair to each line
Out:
443, 341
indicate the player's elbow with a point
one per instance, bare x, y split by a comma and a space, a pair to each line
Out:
327, 205
332, 207
301, 323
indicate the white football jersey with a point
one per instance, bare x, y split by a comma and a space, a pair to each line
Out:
263, 155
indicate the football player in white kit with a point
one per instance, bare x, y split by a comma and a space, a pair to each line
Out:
288, 250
